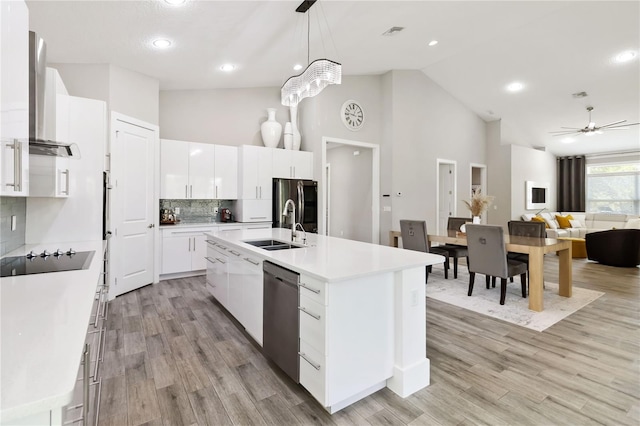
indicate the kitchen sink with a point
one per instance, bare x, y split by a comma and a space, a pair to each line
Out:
273, 245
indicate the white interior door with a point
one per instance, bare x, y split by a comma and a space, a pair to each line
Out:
133, 151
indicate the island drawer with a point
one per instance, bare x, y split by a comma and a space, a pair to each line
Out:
312, 372
312, 323
314, 289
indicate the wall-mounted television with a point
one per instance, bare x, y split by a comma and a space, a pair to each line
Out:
536, 195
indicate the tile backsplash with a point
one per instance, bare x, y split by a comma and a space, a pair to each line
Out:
197, 211
12, 206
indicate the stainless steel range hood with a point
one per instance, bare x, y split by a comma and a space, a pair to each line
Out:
38, 143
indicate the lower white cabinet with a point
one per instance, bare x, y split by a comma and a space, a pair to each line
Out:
234, 278
184, 249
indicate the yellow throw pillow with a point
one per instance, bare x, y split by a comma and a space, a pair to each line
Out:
539, 219
563, 221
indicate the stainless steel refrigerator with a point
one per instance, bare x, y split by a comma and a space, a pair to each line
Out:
304, 194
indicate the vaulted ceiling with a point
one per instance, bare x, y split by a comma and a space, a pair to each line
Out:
554, 48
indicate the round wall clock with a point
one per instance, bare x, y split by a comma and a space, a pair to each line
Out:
352, 115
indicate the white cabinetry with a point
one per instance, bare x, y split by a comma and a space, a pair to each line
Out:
14, 98
184, 249
292, 164
256, 172
333, 365
191, 170
234, 278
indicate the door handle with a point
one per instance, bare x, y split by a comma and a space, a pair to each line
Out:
151, 225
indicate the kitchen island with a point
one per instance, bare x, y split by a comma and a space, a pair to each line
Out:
362, 309
44, 319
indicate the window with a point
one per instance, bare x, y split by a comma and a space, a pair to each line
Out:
613, 187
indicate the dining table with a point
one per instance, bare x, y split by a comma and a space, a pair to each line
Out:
536, 248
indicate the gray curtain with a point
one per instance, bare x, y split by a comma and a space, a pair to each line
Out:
571, 184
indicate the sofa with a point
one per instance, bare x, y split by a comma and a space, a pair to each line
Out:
615, 247
584, 223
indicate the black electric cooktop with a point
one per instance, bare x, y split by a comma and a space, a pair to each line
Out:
40, 263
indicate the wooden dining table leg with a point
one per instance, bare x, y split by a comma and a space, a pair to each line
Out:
566, 279
536, 279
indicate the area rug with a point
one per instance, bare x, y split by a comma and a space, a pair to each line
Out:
516, 309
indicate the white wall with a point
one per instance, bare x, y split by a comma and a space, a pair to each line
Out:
224, 116
429, 124
350, 201
124, 91
134, 94
531, 164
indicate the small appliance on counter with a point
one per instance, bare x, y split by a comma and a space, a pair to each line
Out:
225, 215
167, 217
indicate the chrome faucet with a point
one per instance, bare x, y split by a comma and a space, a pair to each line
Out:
304, 237
293, 216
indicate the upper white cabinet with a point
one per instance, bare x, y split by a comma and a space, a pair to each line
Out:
256, 171
191, 170
292, 164
14, 98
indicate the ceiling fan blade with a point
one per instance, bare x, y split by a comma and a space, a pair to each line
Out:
621, 125
565, 133
612, 124
572, 128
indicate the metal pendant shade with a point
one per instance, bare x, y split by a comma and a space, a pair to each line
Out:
318, 74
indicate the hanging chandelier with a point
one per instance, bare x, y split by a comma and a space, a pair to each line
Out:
318, 74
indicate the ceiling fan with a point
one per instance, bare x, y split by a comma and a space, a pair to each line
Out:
592, 128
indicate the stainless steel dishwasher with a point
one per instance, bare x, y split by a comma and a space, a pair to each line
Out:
280, 318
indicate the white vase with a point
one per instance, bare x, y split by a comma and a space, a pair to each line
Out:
297, 138
271, 130
476, 220
288, 136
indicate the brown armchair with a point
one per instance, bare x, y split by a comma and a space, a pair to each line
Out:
615, 247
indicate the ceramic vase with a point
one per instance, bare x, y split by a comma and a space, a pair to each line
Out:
476, 220
271, 130
288, 136
297, 138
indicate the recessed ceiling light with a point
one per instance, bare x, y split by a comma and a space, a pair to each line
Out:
297, 67
175, 2
161, 43
568, 140
516, 86
228, 67
433, 42
625, 56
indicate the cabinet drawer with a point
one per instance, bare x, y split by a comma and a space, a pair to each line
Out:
312, 372
313, 323
314, 289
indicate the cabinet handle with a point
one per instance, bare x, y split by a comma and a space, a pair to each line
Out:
86, 359
302, 309
221, 261
222, 247
261, 193
313, 290
294, 171
251, 261
98, 401
234, 252
189, 243
216, 192
186, 191
210, 259
95, 370
190, 191
211, 242
17, 165
66, 191
258, 217
256, 192
313, 364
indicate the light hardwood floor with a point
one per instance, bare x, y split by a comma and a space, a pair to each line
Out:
174, 357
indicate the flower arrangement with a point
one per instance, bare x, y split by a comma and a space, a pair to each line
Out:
479, 203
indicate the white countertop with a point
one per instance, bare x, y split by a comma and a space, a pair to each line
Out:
44, 319
329, 258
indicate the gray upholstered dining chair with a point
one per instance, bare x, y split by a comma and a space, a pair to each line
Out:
488, 256
414, 237
455, 251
